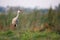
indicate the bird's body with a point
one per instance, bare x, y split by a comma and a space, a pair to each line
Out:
15, 19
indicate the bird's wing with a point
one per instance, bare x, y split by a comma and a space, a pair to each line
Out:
16, 21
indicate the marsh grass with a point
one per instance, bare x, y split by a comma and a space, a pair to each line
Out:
26, 23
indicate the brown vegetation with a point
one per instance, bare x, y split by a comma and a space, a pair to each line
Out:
12, 27
1, 27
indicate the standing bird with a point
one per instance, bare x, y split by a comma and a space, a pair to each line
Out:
15, 19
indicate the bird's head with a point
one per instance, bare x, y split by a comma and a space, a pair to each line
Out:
19, 11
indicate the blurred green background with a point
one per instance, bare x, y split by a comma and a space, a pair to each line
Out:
36, 24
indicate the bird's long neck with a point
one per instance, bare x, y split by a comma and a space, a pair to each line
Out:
17, 15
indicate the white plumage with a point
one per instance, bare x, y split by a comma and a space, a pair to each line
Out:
15, 19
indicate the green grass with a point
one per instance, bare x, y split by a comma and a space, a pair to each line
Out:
23, 32
27, 35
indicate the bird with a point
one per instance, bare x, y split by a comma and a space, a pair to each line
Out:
15, 19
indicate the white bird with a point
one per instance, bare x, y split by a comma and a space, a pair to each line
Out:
15, 19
